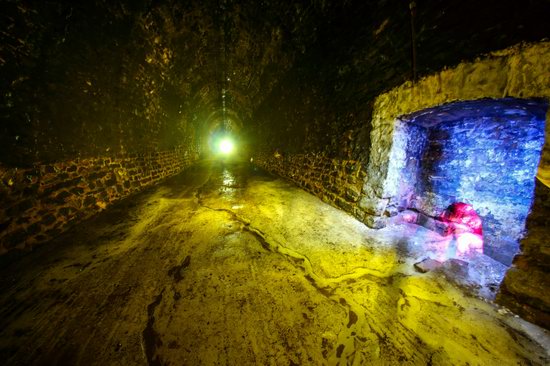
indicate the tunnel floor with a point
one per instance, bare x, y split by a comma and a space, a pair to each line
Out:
226, 265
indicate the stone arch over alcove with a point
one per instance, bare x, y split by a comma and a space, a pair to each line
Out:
517, 72
483, 152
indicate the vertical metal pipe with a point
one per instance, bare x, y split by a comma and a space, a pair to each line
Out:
412, 7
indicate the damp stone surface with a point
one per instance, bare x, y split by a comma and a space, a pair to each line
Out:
226, 264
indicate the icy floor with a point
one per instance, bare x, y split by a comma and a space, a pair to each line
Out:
226, 265
478, 274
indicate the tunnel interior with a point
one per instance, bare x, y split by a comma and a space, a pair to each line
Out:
369, 145
485, 153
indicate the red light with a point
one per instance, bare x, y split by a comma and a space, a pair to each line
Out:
466, 225
463, 218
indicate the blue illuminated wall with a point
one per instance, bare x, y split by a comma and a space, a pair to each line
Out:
483, 152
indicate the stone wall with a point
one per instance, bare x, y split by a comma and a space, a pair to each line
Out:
337, 182
100, 99
40, 202
519, 72
459, 152
525, 287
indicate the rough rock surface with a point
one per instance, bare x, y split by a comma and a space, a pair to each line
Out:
427, 265
467, 81
524, 289
484, 152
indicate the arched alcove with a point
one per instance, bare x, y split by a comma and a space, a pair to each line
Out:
519, 72
483, 152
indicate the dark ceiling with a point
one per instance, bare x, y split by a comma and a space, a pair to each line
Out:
100, 77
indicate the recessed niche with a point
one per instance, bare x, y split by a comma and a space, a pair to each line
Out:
483, 153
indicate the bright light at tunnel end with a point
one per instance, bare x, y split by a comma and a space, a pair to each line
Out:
226, 146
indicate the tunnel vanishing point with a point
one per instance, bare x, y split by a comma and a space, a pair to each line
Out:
311, 182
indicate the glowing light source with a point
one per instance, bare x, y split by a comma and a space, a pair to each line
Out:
226, 146
468, 244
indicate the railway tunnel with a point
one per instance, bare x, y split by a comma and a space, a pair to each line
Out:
308, 182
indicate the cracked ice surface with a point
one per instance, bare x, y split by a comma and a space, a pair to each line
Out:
227, 265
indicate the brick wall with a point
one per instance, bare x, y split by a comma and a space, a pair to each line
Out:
337, 182
44, 200
483, 152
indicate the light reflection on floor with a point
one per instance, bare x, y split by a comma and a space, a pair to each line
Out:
178, 275
228, 179
479, 273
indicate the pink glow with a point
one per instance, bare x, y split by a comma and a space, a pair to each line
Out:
468, 244
456, 233
463, 218
466, 226
409, 217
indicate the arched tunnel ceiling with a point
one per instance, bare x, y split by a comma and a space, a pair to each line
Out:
304, 72
247, 46
95, 77
134, 75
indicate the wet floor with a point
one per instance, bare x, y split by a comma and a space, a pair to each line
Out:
226, 265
